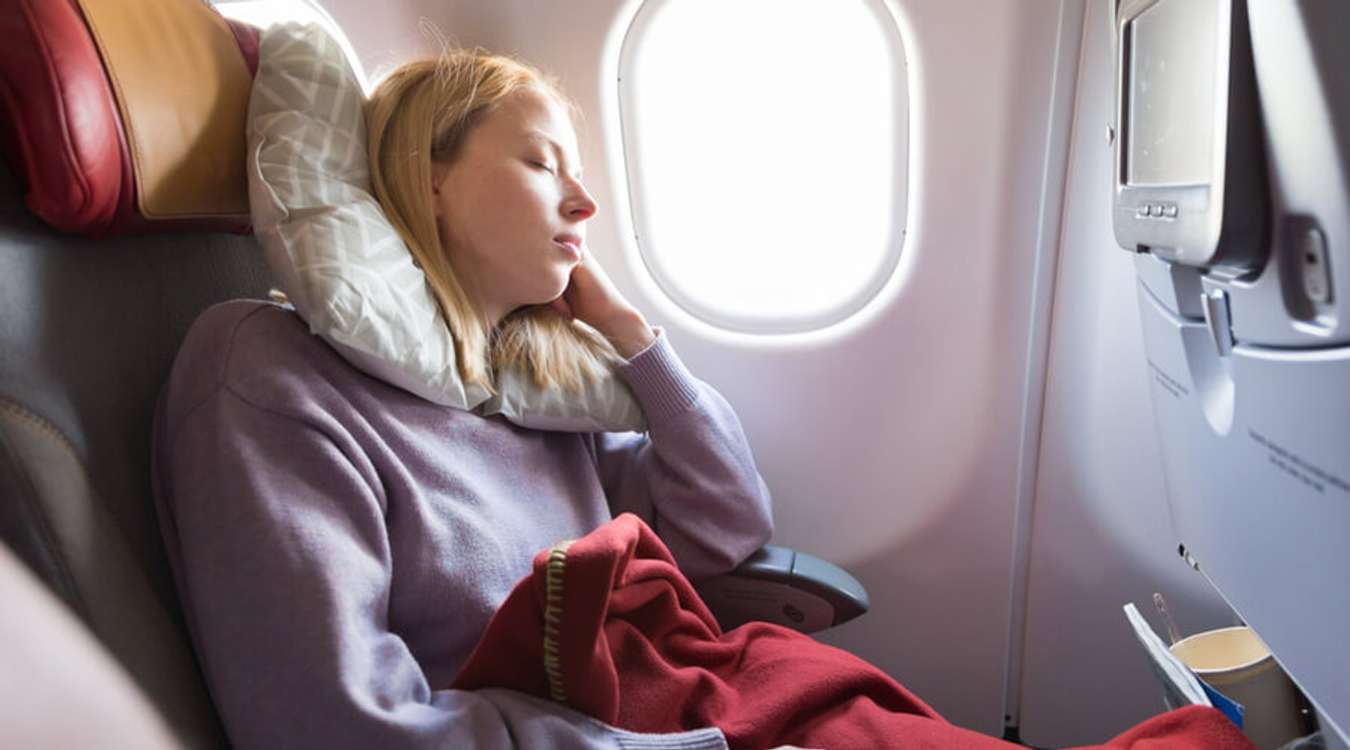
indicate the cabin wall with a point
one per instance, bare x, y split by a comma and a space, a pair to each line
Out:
1102, 531
386, 36
894, 445
978, 447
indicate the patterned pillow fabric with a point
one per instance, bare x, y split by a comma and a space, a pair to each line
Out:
341, 263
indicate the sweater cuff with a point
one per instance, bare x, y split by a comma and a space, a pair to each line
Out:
697, 739
662, 384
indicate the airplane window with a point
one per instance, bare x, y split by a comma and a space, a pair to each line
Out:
765, 143
264, 13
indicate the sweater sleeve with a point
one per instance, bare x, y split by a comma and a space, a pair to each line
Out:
277, 530
691, 476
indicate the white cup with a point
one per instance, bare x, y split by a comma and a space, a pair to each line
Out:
1236, 663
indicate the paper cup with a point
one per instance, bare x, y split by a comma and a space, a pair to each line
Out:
1236, 663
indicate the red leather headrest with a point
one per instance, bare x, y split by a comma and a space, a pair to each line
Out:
122, 115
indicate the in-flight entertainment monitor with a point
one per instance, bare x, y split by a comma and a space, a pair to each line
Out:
1190, 175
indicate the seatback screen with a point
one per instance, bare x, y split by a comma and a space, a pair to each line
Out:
1170, 140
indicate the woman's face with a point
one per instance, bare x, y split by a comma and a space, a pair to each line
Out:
511, 209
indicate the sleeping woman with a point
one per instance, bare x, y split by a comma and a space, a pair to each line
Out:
339, 543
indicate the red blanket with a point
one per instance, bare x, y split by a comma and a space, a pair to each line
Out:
607, 625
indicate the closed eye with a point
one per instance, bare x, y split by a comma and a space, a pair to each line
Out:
542, 165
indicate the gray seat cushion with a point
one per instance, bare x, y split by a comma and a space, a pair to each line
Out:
88, 332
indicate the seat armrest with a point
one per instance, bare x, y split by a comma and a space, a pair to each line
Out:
784, 587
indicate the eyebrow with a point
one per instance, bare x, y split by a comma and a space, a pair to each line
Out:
537, 135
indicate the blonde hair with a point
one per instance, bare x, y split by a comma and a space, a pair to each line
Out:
420, 114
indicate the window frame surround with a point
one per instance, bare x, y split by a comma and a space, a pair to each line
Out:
849, 306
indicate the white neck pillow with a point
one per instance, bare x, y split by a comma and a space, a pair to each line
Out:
346, 270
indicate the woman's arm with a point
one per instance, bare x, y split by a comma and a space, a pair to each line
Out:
692, 476
277, 532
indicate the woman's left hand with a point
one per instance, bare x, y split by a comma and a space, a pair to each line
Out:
594, 300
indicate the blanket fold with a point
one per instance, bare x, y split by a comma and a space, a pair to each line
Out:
608, 625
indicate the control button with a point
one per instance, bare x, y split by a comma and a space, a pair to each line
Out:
1311, 246
1155, 209
1170, 210
1142, 211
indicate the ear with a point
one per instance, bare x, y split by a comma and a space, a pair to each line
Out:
439, 171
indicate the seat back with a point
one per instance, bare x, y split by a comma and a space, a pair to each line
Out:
89, 327
88, 332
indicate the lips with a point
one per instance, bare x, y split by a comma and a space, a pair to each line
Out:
570, 244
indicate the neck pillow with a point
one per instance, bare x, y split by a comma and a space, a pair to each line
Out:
341, 263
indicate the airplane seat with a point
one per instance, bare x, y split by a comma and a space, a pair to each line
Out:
118, 226
89, 329
89, 325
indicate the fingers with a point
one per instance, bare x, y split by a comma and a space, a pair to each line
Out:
592, 298
589, 278
564, 309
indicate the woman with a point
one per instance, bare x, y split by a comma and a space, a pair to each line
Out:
339, 543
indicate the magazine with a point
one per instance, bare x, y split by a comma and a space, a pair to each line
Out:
1180, 685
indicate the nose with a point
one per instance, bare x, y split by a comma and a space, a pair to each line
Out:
578, 205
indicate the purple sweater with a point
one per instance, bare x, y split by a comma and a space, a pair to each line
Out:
339, 544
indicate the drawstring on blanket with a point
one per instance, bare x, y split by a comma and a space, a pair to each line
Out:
553, 602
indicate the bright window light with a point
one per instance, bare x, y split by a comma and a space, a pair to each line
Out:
765, 147
264, 13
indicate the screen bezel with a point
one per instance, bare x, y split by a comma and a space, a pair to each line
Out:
1170, 54
1192, 236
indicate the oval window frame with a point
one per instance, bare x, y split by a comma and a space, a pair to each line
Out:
849, 305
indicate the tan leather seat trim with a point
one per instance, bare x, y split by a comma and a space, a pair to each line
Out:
182, 88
